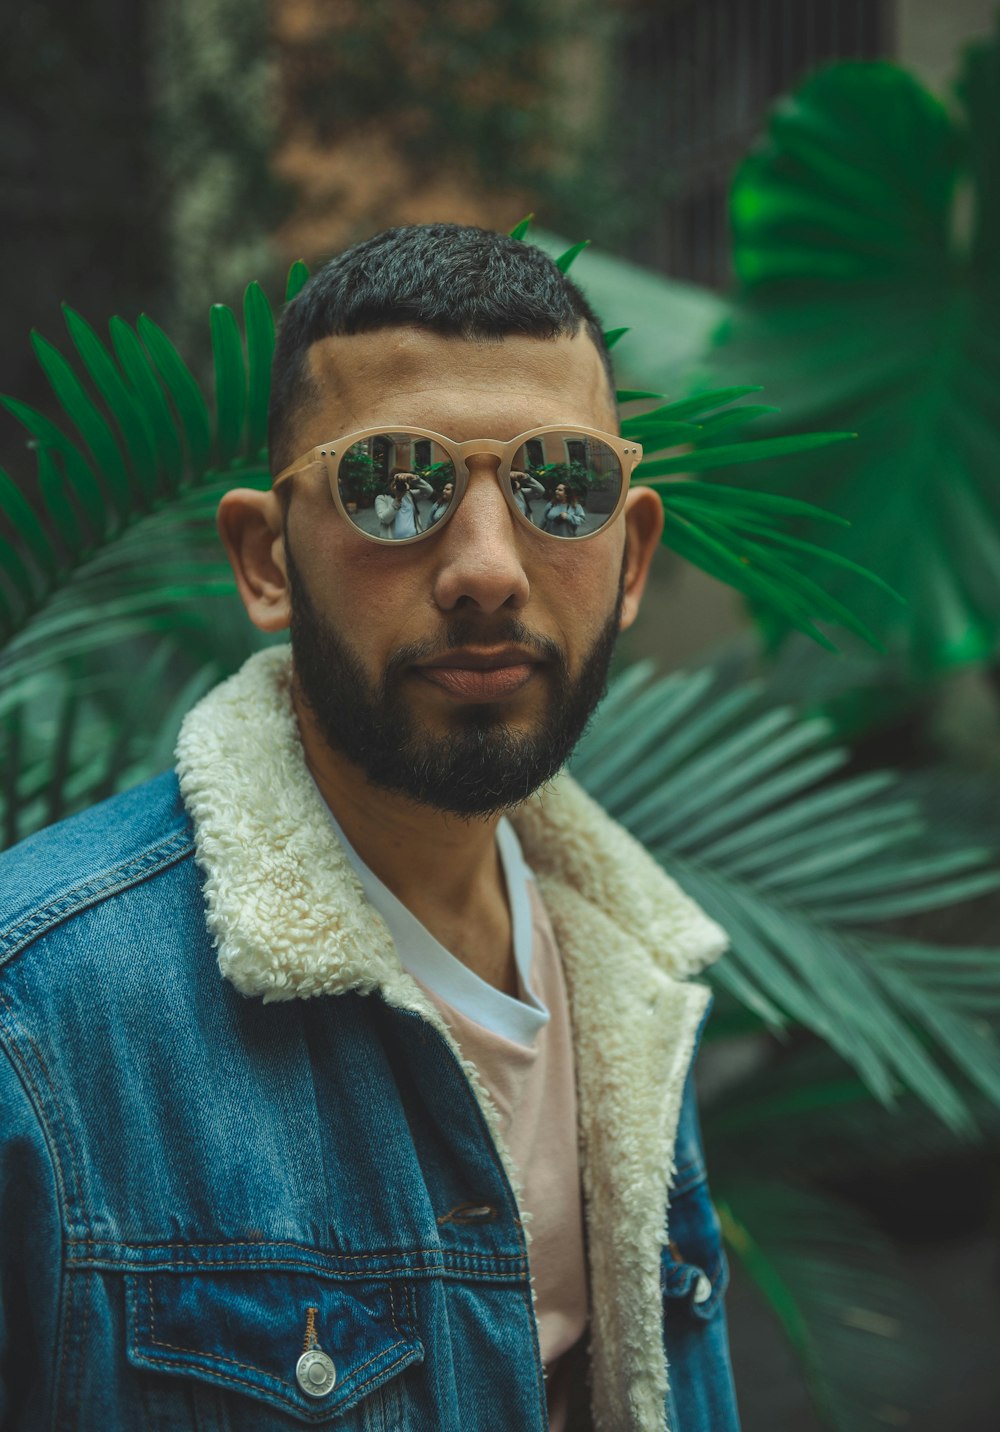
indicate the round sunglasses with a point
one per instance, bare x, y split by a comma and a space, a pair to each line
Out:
396, 484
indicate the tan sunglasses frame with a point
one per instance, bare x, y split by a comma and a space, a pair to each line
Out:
329, 456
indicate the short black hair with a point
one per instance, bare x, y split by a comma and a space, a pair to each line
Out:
453, 279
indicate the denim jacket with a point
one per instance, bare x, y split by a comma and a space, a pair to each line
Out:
233, 1129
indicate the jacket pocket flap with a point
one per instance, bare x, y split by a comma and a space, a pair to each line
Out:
699, 1286
694, 1272
246, 1331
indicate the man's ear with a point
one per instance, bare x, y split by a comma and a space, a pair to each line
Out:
643, 530
252, 531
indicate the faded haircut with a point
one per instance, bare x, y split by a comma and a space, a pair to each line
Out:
452, 279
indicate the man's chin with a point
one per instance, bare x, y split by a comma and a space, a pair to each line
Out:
447, 751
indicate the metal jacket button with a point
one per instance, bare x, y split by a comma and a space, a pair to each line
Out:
315, 1373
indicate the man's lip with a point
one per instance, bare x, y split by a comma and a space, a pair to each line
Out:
470, 659
479, 683
480, 673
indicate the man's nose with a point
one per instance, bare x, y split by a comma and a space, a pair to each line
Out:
480, 554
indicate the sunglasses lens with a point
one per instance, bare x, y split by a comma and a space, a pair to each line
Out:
396, 485
566, 483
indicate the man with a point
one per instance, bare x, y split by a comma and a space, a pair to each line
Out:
564, 513
419, 1150
396, 510
525, 487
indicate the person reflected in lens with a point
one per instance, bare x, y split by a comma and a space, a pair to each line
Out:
397, 510
442, 504
564, 513
522, 484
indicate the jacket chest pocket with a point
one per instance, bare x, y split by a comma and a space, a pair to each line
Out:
315, 1351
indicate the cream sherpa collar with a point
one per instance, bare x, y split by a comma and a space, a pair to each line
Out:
290, 921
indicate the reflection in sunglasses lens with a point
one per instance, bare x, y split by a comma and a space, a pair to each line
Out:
396, 485
566, 483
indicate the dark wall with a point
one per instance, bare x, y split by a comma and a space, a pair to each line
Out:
80, 212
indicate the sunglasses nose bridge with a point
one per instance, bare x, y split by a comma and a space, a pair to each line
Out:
482, 460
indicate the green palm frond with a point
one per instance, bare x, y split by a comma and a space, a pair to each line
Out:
113, 565
773, 1139
833, 1282
160, 573
79, 732
117, 539
738, 800
804, 1115
738, 534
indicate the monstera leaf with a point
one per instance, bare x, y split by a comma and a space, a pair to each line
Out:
867, 247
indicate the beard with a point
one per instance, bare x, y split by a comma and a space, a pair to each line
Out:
482, 765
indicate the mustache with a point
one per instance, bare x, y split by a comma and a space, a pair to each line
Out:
462, 632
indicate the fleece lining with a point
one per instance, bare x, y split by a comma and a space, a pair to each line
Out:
290, 921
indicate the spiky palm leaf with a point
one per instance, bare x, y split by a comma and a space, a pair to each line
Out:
72, 735
116, 548
835, 1286
776, 1140
119, 539
735, 797
802, 1114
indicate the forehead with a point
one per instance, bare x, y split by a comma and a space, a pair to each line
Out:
461, 387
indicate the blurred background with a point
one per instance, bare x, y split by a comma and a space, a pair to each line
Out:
796, 194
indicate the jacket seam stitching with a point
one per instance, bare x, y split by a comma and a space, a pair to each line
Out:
40, 1114
281, 1397
443, 1270
16, 1059
89, 892
81, 1339
262, 1371
299, 1247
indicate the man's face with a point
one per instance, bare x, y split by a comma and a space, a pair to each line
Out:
458, 671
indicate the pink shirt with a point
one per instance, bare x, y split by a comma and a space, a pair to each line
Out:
535, 1093
523, 1050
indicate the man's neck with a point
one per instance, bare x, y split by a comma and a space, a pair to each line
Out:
445, 869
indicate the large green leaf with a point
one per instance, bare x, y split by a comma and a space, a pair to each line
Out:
866, 304
669, 322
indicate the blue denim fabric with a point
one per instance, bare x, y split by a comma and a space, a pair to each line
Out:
185, 1173
701, 1393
